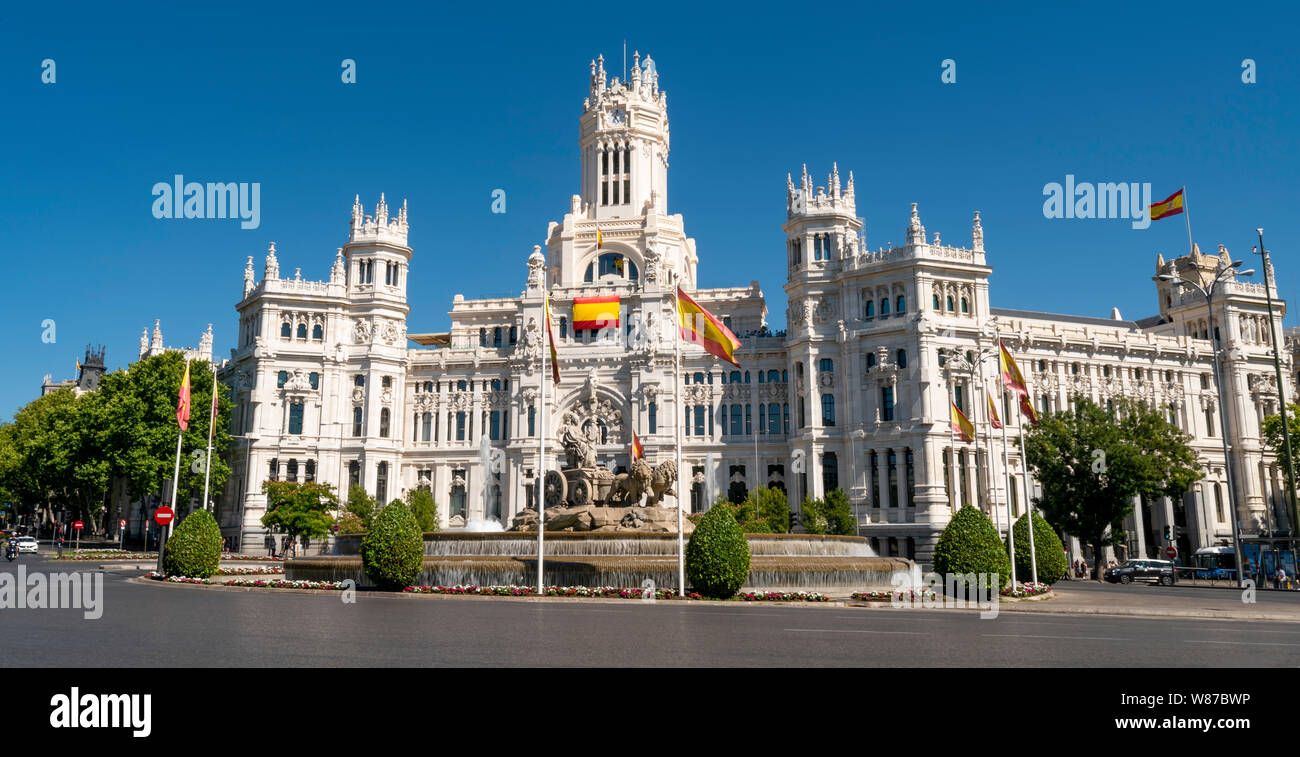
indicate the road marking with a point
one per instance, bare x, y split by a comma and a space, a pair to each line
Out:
1035, 636
1245, 643
853, 630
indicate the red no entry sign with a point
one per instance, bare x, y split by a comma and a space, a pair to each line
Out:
163, 515
121, 523
78, 525
1171, 552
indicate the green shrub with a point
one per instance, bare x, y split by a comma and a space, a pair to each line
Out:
771, 505
362, 505
425, 510
717, 557
970, 544
349, 523
392, 551
194, 548
1047, 549
813, 516
839, 514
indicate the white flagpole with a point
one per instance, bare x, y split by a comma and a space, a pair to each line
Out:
1029, 507
212, 417
680, 413
991, 486
541, 438
166, 531
1006, 471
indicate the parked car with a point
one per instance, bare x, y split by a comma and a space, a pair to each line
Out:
1151, 571
26, 544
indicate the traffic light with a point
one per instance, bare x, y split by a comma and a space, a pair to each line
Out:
1169, 533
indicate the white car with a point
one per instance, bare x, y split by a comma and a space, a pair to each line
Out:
26, 544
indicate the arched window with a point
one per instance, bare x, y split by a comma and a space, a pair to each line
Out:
735, 377
936, 302
286, 330
900, 304
871, 310
902, 358
773, 376
950, 308
828, 410
699, 378
514, 334
317, 332
360, 380
884, 307
302, 331
482, 337
383, 422
965, 306
461, 385
746, 377
496, 337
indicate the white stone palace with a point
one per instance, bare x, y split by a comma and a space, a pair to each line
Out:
329, 385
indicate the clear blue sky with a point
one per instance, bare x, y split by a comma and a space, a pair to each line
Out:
454, 101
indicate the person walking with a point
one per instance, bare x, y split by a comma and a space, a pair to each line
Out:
1279, 577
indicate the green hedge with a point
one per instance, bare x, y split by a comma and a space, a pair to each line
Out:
1047, 548
194, 548
970, 544
392, 551
717, 557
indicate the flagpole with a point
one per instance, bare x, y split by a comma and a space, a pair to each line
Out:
1187, 217
677, 431
1029, 507
212, 417
165, 532
954, 496
1006, 471
992, 486
541, 440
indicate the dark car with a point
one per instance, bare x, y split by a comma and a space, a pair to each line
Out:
1151, 571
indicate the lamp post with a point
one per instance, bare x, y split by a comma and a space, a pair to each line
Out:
1221, 274
1281, 385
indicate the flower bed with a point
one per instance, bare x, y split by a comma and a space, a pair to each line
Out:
895, 596
782, 596
1026, 589
272, 570
107, 554
610, 592
261, 583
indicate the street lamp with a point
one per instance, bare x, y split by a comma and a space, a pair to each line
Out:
1221, 274
1281, 385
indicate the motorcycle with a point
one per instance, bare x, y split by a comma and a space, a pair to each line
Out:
11, 551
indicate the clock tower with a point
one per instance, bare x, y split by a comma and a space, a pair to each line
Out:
624, 142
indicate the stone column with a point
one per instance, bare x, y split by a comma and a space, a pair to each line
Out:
882, 479
1139, 528
900, 470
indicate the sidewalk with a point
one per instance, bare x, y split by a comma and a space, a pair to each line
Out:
1223, 605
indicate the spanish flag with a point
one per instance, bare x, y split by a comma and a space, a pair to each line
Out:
993, 413
1171, 206
550, 335
595, 312
961, 424
638, 451
698, 326
183, 406
1012, 377
600, 240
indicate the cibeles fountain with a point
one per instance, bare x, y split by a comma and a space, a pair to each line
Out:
611, 529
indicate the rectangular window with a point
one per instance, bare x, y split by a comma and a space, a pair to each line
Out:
893, 478
699, 420
428, 426
460, 427
654, 417
356, 421
887, 403
295, 418
749, 421
494, 431
532, 420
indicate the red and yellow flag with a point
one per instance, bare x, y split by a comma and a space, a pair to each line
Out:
1015, 381
600, 240
1170, 206
698, 326
550, 335
595, 312
993, 413
183, 406
638, 451
961, 424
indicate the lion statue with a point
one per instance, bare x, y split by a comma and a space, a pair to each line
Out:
630, 487
662, 479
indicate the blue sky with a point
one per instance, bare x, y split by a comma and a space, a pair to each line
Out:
454, 101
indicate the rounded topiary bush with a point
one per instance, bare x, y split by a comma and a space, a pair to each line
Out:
1047, 549
194, 548
717, 557
970, 544
392, 551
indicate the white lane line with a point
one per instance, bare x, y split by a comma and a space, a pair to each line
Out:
1037, 636
1245, 643
854, 630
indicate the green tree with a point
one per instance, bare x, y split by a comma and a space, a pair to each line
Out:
717, 556
362, 505
425, 510
839, 513
772, 507
194, 549
813, 516
1272, 433
392, 551
299, 508
1048, 550
970, 544
1092, 461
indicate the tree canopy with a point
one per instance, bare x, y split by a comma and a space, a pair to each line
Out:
1091, 461
299, 508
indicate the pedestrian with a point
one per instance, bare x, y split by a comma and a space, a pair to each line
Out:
1083, 568
1279, 577
270, 543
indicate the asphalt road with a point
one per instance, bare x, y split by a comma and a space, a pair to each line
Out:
151, 625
